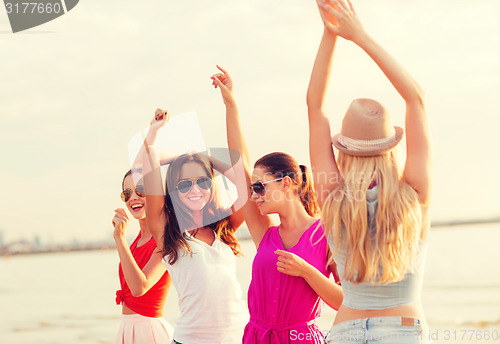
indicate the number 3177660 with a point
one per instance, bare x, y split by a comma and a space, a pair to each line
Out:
33, 7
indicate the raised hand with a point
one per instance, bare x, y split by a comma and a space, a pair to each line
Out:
325, 15
160, 119
120, 222
346, 23
225, 83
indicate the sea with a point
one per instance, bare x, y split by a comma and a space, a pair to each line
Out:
69, 297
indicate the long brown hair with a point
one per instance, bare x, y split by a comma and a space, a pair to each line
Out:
281, 165
179, 216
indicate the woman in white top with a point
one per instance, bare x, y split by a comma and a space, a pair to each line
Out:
197, 237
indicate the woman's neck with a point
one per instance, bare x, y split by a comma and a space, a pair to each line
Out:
294, 217
145, 233
198, 218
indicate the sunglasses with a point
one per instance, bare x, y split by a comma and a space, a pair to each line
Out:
127, 193
184, 185
259, 187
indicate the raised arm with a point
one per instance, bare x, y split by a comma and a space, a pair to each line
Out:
149, 168
257, 223
139, 281
325, 172
417, 171
234, 173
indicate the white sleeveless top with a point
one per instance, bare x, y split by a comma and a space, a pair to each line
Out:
210, 298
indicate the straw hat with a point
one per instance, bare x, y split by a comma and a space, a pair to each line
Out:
367, 130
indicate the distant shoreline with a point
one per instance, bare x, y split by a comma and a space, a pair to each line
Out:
56, 249
28, 249
465, 222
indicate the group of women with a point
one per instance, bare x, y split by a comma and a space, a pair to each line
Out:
358, 216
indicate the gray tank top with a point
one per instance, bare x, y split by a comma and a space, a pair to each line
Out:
379, 296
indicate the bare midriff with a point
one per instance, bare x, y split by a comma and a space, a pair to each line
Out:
128, 311
411, 311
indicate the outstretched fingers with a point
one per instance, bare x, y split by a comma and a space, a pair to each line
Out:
224, 82
226, 73
341, 5
348, 24
330, 14
351, 7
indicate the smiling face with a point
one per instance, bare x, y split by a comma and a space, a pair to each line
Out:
267, 203
136, 205
197, 197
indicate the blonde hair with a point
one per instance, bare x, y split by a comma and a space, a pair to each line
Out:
382, 251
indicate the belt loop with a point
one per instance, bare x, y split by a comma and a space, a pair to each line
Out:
365, 330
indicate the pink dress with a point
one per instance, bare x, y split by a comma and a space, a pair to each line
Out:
283, 308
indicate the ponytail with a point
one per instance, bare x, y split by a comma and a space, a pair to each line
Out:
283, 165
306, 192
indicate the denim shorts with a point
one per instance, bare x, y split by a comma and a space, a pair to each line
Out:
386, 330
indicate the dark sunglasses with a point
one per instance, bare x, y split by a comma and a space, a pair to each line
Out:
184, 185
259, 187
139, 191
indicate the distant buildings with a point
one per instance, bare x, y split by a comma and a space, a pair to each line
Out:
24, 246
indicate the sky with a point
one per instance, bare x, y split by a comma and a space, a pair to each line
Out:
74, 91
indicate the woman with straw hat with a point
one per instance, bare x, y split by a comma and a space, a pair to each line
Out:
375, 215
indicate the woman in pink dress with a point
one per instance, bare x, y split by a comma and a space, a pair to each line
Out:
282, 307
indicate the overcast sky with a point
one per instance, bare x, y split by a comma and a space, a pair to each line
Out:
74, 91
